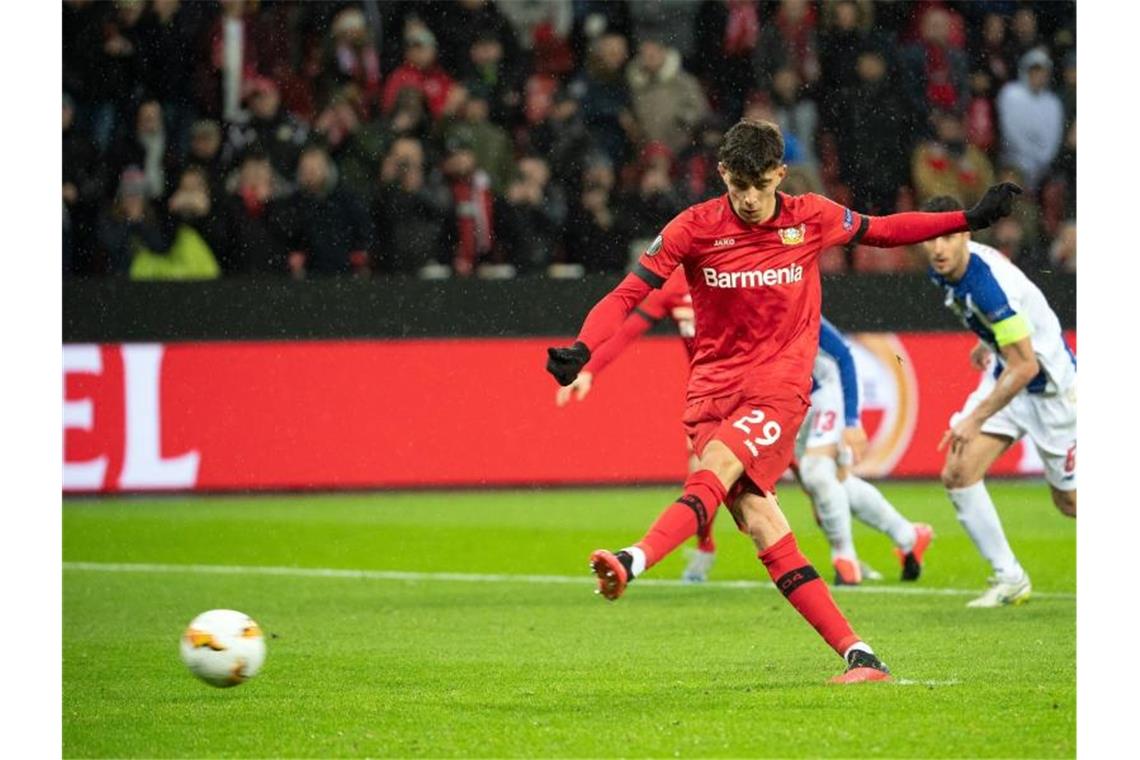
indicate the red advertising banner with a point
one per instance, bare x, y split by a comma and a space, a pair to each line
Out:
421, 413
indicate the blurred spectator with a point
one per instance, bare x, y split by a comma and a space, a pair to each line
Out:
789, 40
129, 224
411, 211
350, 58
196, 233
593, 237
594, 19
981, 116
494, 152
1063, 251
231, 58
489, 73
643, 211
328, 228
948, 165
699, 177
83, 188
563, 138
994, 52
671, 24
935, 71
420, 71
473, 205
847, 30
356, 146
167, 40
255, 210
874, 137
206, 153
1008, 236
459, 23
543, 29
726, 34
146, 146
1031, 118
269, 128
667, 100
795, 114
529, 218
409, 116
605, 98
1026, 36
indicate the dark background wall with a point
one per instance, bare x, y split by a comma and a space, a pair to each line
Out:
255, 308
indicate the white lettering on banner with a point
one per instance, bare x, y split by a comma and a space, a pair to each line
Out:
754, 278
143, 463
80, 415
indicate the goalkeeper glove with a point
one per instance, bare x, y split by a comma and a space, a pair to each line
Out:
996, 203
566, 363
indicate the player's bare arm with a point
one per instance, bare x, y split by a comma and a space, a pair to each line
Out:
1020, 367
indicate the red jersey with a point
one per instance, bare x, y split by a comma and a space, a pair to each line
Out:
755, 289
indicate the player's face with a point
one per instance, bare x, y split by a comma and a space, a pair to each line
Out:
948, 255
754, 203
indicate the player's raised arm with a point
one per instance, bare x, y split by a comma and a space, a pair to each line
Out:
911, 227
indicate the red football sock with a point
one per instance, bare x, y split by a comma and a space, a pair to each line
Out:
801, 584
690, 514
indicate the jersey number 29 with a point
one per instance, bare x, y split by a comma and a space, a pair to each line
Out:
770, 430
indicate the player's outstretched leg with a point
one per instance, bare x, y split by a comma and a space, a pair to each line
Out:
801, 585
911, 539
689, 515
819, 476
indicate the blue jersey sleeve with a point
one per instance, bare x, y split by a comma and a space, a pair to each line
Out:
985, 292
831, 342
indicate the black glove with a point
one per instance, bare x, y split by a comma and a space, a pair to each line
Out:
566, 363
996, 203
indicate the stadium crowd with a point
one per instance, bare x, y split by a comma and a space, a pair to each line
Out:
482, 138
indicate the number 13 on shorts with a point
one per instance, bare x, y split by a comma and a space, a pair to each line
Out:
768, 430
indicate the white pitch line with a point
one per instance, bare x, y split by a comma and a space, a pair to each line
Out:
909, 682
585, 579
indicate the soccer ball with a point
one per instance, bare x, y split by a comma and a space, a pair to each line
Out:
223, 647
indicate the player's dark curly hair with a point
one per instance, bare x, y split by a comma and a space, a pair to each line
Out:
751, 149
942, 203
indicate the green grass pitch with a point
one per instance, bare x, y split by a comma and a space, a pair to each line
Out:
460, 666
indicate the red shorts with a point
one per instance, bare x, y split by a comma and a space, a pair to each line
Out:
759, 429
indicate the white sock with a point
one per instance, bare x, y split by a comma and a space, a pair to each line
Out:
637, 567
820, 481
869, 505
860, 645
978, 516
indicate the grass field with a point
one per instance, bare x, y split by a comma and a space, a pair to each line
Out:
450, 659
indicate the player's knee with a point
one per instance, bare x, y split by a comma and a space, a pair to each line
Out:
720, 460
817, 473
956, 475
1066, 501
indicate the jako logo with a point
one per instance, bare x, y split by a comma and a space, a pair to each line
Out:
723, 242
755, 278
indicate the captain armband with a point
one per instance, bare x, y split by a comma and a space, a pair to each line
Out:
1011, 329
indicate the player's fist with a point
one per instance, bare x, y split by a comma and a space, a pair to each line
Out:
855, 438
565, 363
996, 203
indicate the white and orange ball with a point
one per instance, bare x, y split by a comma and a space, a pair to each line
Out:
223, 647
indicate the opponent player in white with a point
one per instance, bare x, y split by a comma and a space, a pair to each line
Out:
1031, 391
831, 439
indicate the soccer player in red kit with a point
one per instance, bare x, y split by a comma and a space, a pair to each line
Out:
751, 260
